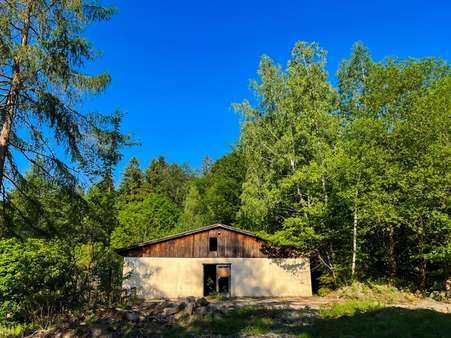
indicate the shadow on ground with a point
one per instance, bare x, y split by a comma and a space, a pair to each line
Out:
390, 322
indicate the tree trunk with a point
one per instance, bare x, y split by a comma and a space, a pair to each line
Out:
354, 241
8, 114
354, 228
391, 252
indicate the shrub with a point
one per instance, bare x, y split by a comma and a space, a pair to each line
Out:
36, 277
322, 292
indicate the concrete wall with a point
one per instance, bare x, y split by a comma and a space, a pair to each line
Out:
156, 277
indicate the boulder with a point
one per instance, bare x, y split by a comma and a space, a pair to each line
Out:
202, 301
189, 309
169, 311
190, 299
180, 306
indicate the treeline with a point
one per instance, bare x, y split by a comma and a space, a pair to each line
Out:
355, 175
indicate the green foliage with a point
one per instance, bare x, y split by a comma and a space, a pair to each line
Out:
43, 82
151, 218
215, 197
35, 275
323, 292
99, 273
349, 308
130, 189
167, 179
355, 176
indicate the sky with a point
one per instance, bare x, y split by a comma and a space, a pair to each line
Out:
177, 66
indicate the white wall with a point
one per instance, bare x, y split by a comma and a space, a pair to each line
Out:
157, 277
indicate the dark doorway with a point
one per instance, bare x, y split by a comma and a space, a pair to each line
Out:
209, 279
223, 285
315, 271
217, 279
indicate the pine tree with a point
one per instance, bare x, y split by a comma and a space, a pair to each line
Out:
130, 188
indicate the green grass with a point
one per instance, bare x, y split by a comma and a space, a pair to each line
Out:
11, 330
363, 319
349, 308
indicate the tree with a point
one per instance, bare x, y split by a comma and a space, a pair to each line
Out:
284, 139
131, 186
41, 84
151, 218
193, 215
167, 179
223, 192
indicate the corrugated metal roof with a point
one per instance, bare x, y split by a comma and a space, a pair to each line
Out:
186, 233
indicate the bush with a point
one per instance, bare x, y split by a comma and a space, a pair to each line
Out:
322, 292
100, 273
36, 277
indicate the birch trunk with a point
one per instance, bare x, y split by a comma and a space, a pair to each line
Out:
354, 241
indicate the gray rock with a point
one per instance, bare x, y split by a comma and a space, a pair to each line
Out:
169, 311
202, 301
203, 310
132, 316
181, 315
190, 299
189, 309
181, 306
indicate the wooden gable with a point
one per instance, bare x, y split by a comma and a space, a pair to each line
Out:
231, 242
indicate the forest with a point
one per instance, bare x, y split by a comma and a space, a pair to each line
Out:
354, 173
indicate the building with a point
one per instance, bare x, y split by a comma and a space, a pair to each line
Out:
214, 259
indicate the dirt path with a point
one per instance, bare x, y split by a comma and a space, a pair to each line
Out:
315, 302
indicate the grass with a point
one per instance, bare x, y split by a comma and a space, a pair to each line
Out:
349, 308
11, 330
381, 293
353, 318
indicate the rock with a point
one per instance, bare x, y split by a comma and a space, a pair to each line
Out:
202, 301
181, 306
181, 315
68, 334
169, 311
203, 310
189, 309
190, 299
132, 316
96, 332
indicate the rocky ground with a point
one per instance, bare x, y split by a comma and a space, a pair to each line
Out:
161, 317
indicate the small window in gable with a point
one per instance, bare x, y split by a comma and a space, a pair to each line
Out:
213, 244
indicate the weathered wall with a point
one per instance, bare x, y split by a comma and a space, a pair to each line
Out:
158, 277
230, 244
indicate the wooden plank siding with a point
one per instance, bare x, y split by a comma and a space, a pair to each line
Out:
196, 245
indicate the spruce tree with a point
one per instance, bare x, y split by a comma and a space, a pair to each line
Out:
42, 82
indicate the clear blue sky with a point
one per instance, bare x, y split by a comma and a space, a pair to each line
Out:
178, 65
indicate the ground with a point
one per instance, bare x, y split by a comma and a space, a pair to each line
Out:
265, 317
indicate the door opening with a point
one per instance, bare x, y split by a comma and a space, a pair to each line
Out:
209, 279
217, 279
